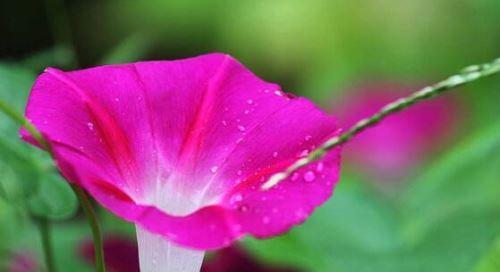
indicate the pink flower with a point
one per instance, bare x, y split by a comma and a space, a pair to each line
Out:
181, 148
398, 142
23, 262
120, 253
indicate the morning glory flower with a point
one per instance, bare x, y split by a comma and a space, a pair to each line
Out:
181, 149
388, 150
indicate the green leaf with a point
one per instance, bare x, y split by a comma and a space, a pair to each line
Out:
464, 179
54, 199
25, 169
18, 161
491, 261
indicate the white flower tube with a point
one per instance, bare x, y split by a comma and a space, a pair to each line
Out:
157, 254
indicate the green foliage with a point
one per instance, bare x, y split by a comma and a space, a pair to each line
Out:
444, 221
54, 199
28, 178
491, 261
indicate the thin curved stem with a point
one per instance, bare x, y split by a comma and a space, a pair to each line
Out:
94, 225
48, 251
467, 75
24, 123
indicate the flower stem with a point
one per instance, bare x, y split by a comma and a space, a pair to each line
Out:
24, 123
45, 233
467, 75
82, 197
94, 225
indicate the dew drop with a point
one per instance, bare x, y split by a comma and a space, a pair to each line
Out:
266, 91
239, 173
320, 167
241, 128
224, 123
308, 137
275, 154
239, 140
300, 214
214, 169
90, 126
304, 153
309, 176
243, 208
236, 198
117, 99
295, 176
266, 220
249, 101
246, 112
278, 93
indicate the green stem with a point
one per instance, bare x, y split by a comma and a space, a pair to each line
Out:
82, 197
467, 75
24, 123
3, 192
45, 233
94, 225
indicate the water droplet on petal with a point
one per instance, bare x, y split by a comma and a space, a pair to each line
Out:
295, 176
117, 99
266, 91
308, 137
239, 173
243, 208
275, 154
266, 220
320, 167
224, 123
214, 169
241, 128
90, 126
236, 198
300, 214
249, 101
304, 153
309, 176
278, 93
246, 112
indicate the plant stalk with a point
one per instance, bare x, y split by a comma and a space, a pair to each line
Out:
467, 75
48, 250
94, 225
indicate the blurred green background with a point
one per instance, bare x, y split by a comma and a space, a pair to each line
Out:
442, 215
